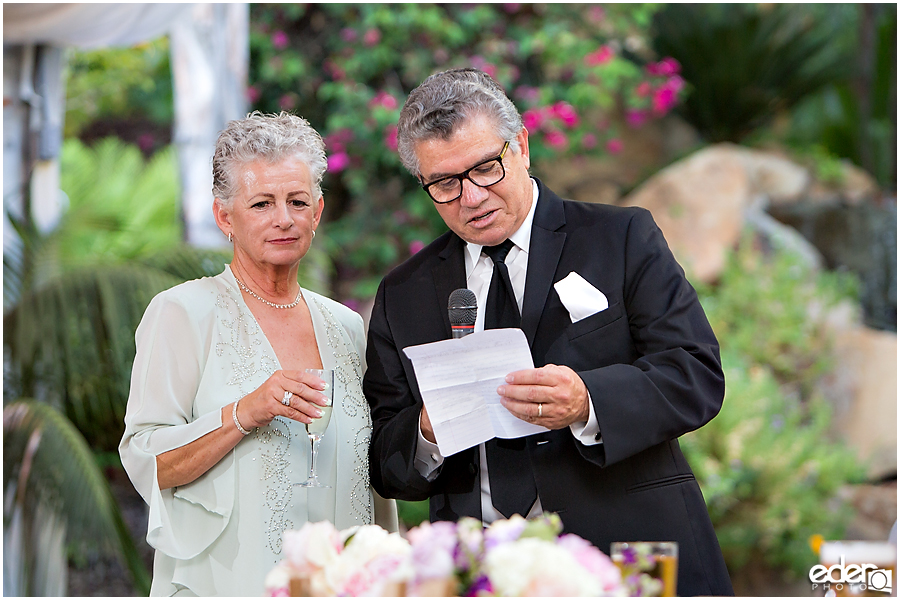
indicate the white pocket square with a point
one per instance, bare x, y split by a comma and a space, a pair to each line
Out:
579, 297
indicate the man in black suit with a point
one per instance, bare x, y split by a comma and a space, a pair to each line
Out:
614, 388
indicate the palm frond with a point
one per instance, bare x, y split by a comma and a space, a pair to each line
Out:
46, 462
70, 343
745, 63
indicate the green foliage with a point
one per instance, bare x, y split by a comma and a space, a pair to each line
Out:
768, 309
770, 471
121, 207
46, 463
857, 119
412, 514
767, 464
119, 83
747, 63
349, 67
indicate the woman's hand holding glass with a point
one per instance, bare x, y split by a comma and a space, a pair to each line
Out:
259, 407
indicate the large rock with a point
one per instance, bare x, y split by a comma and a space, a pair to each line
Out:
863, 391
698, 204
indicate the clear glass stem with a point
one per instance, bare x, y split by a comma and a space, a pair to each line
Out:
314, 440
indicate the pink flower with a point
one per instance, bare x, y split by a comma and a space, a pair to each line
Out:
663, 100
287, 102
280, 40
636, 118
338, 162
596, 13
490, 69
565, 112
592, 559
651, 69
335, 71
432, 544
253, 94
348, 34
675, 83
556, 140
372, 37
614, 146
601, 56
415, 246
532, 120
384, 99
668, 66
588, 141
643, 90
390, 137
145, 141
527, 93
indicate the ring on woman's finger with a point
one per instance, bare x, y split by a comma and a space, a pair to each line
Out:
286, 400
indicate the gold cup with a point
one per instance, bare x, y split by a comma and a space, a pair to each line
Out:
664, 558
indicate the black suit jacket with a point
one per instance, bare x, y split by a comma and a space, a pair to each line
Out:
650, 362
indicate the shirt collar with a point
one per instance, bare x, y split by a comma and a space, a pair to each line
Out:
521, 237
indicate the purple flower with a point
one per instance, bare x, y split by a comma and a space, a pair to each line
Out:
415, 246
280, 40
352, 304
480, 587
338, 162
348, 34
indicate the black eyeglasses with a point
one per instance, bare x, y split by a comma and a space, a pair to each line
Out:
484, 174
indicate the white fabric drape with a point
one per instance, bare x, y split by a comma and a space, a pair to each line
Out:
88, 25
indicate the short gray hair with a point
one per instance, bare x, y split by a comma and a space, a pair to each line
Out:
268, 138
446, 99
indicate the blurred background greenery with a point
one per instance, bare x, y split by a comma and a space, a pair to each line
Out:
818, 82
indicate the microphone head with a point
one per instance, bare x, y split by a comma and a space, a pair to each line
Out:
462, 307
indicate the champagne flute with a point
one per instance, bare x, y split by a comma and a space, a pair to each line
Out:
316, 429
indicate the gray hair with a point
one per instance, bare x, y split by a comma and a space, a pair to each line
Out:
269, 138
446, 99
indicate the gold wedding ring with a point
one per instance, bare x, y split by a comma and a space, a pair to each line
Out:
286, 400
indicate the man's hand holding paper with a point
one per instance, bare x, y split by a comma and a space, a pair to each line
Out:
458, 380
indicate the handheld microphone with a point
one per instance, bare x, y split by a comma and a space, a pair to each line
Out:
463, 308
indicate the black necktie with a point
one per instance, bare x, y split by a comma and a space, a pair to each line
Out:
512, 481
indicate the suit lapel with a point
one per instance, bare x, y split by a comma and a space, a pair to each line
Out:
449, 274
543, 257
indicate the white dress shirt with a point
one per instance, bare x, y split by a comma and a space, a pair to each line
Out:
479, 270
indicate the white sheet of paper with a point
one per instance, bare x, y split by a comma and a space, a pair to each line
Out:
459, 380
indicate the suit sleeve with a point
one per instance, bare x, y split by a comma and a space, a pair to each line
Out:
395, 414
676, 384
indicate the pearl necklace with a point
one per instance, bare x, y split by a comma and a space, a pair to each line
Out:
272, 304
